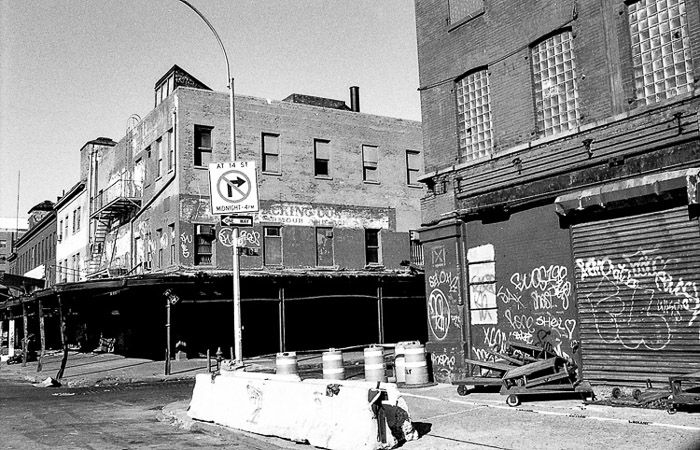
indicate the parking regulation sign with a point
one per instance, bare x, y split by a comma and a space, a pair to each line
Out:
233, 187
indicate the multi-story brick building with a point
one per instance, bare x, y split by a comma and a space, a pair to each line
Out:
10, 231
561, 157
34, 252
328, 258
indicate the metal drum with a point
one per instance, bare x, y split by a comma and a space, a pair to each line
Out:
375, 370
333, 365
416, 366
400, 360
286, 363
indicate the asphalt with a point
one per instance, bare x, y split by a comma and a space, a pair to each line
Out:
438, 406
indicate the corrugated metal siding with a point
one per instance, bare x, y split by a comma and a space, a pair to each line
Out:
637, 282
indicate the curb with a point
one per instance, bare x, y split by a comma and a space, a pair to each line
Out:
175, 414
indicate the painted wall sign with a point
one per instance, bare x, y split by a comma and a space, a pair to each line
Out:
307, 214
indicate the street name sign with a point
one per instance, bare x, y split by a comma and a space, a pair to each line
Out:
233, 187
236, 221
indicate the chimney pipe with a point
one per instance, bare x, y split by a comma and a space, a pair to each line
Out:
355, 99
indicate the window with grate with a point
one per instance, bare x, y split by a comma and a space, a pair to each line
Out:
372, 255
474, 115
554, 76
203, 240
463, 9
202, 146
171, 232
271, 153
660, 49
370, 160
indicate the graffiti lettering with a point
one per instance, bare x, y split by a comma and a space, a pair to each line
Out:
438, 314
444, 360
252, 237
443, 277
552, 281
185, 239
505, 296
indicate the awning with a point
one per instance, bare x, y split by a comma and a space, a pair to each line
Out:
620, 191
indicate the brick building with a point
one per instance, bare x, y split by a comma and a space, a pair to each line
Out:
331, 258
561, 157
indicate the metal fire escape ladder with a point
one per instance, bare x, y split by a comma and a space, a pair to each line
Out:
99, 234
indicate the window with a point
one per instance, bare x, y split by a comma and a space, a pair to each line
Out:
324, 246
416, 248
463, 9
481, 266
60, 230
3, 243
554, 76
171, 231
474, 115
77, 218
370, 159
158, 148
171, 150
412, 166
203, 239
271, 153
660, 49
73, 222
202, 146
372, 246
322, 156
161, 244
272, 246
66, 229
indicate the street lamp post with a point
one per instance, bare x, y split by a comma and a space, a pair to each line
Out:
238, 340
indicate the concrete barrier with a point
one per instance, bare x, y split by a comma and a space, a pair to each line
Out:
333, 414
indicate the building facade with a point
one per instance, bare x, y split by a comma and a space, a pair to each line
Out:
34, 253
10, 231
335, 236
561, 158
72, 239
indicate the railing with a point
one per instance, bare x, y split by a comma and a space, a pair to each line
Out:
417, 253
118, 189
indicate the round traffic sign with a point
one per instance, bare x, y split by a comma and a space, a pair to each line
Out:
233, 186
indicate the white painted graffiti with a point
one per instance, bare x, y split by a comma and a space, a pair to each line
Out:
548, 285
226, 237
185, 241
645, 269
443, 277
507, 297
444, 360
251, 237
439, 314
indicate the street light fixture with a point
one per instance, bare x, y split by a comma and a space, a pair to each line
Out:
238, 341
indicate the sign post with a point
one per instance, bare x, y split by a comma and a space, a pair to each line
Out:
234, 189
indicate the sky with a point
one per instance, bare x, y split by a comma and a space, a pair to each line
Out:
75, 70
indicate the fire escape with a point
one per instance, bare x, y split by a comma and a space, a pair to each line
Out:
109, 206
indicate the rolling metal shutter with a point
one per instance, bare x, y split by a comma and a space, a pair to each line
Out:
638, 294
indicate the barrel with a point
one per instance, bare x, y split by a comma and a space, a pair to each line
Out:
286, 363
333, 365
374, 364
416, 366
400, 360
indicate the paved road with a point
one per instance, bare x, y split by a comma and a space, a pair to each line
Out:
115, 417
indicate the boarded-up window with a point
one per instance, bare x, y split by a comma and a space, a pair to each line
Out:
482, 284
158, 148
370, 159
272, 246
171, 231
271, 153
324, 246
463, 9
171, 149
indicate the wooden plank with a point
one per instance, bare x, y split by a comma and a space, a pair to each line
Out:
489, 365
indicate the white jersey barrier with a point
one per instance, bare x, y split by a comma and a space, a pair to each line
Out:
333, 414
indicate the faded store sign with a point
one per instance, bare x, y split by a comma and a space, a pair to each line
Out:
637, 301
307, 214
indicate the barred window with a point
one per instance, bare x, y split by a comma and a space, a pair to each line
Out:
474, 115
554, 73
660, 49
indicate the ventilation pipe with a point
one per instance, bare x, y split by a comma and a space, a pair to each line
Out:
355, 99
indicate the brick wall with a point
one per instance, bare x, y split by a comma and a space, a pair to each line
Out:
500, 38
